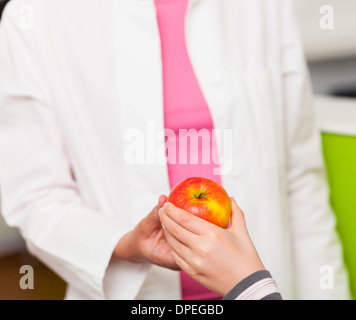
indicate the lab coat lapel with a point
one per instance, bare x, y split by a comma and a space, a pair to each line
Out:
140, 97
214, 62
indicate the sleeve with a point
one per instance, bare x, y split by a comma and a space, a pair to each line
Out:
257, 286
39, 195
313, 227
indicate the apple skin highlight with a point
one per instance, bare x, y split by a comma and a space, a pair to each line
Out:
204, 198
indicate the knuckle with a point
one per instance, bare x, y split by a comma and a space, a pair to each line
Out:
162, 216
198, 265
184, 218
212, 237
166, 207
205, 250
175, 231
178, 250
195, 274
180, 264
217, 235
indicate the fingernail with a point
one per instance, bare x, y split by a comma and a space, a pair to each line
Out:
160, 211
165, 205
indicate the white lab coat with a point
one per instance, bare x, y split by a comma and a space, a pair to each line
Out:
77, 76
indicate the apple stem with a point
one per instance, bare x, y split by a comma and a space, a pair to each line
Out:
202, 196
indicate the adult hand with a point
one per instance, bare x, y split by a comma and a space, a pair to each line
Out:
215, 257
146, 243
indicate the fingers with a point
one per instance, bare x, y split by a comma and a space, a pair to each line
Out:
187, 220
151, 223
238, 223
162, 200
182, 263
152, 216
152, 219
178, 247
177, 231
179, 252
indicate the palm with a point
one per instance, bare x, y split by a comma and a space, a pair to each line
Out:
160, 250
153, 242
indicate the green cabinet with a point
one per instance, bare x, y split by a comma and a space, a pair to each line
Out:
338, 127
340, 159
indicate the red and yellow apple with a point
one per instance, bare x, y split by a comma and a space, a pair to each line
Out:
204, 198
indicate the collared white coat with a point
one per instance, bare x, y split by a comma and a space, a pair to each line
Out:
77, 76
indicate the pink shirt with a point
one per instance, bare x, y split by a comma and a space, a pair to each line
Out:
184, 108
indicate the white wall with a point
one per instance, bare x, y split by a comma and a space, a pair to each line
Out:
10, 240
336, 115
327, 44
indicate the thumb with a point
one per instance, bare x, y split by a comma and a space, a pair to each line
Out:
238, 223
162, 200
151, 222
153, 217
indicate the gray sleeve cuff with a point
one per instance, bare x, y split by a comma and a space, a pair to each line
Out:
257, 286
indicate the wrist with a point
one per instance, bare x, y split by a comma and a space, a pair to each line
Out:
240, 277
123, 248
248, 290
128, 248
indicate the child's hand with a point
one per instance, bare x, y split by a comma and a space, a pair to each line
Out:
215, 257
